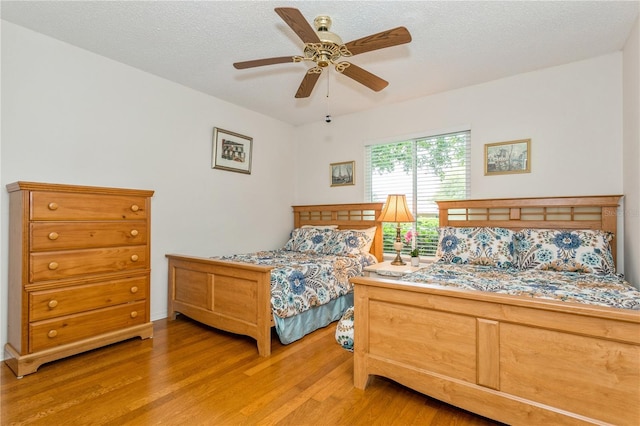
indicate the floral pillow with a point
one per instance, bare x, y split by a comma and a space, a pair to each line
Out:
476, 246
371, 233
565, 250
346, 242
308, 240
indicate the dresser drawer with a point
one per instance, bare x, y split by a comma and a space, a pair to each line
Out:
64, 301
69, 206
66, 264
54, 332
76, 235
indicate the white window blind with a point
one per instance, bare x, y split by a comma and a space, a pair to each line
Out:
424, 169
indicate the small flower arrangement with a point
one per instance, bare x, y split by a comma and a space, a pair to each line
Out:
410, 237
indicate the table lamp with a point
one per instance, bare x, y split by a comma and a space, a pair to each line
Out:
396, 210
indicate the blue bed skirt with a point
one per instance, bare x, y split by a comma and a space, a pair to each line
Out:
293, 328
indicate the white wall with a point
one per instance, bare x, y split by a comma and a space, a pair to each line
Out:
631, 154
70, 116
572, 113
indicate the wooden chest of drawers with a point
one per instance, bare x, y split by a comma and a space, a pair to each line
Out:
79, 270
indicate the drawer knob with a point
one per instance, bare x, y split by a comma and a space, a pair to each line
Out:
52, 333
134, 289
134, 257
52, 303
134, 232
53, 236
135, 208
53, 206
134, 314
53, 266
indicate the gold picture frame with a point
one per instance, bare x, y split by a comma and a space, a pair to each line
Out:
507, 157
342, 174
231, 151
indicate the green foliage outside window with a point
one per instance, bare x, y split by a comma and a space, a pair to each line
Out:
425, 170
426, 241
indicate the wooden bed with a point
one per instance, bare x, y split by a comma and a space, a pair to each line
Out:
513, 359
235, 296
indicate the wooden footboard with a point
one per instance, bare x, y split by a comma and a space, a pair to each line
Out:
229, 296
516, 360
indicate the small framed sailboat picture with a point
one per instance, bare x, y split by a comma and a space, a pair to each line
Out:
343, 173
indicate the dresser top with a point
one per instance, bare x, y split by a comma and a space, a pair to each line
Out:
56, 187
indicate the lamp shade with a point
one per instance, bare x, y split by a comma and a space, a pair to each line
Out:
396, 209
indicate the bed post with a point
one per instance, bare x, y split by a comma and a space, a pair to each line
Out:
361, 337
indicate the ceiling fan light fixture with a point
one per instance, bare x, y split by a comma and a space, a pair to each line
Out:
329, 37
322, 24
322, 54
323, 61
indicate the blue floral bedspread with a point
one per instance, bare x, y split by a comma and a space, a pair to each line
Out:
604, 290
300, 281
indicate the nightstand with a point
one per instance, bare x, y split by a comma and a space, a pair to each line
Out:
387, 270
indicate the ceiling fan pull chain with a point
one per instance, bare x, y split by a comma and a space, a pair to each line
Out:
328, 79
327, 86
327, 118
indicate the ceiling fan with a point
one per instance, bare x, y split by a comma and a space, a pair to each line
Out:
325, 48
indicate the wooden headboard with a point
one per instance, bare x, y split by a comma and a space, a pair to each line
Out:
588, 212
346, 216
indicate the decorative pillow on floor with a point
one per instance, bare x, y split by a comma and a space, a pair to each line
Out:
344, 331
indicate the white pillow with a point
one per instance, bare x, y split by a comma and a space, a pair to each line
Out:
321, 227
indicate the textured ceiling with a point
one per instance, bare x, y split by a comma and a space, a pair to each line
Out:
455, 44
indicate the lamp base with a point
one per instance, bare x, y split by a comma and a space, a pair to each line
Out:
398, 260
398, 246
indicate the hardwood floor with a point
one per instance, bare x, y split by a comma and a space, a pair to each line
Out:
190, 374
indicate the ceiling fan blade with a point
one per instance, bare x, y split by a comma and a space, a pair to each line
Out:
362, 76
308, 83
293, 17
381, 40
262, 62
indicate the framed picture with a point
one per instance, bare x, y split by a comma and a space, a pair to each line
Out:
231, 151
343, 173
507, 157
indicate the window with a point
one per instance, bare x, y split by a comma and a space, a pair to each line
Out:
425, 169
